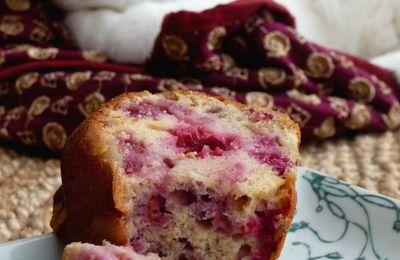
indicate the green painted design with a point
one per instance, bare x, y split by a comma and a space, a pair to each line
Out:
328, 191
332, 255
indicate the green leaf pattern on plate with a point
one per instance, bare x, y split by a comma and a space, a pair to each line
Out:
331, 195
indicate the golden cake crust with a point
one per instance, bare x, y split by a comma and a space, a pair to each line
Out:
87, 174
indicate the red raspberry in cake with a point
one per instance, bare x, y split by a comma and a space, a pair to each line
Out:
182, 175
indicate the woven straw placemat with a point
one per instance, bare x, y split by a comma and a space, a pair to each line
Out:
28, 182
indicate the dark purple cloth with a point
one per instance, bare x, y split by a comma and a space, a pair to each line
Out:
248, 50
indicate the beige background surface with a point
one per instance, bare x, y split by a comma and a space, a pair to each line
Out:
28, 182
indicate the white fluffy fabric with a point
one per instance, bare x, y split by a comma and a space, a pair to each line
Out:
366, 28
389, 61
123, 29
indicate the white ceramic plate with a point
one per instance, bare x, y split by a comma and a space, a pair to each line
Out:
334, 220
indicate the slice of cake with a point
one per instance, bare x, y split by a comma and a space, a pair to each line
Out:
180, 174
84, 251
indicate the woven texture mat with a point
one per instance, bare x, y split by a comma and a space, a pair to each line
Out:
27, 183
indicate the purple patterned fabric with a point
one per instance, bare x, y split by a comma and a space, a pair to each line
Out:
248, 51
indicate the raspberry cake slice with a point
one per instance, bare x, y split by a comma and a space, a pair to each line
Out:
180, 174
85, 251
